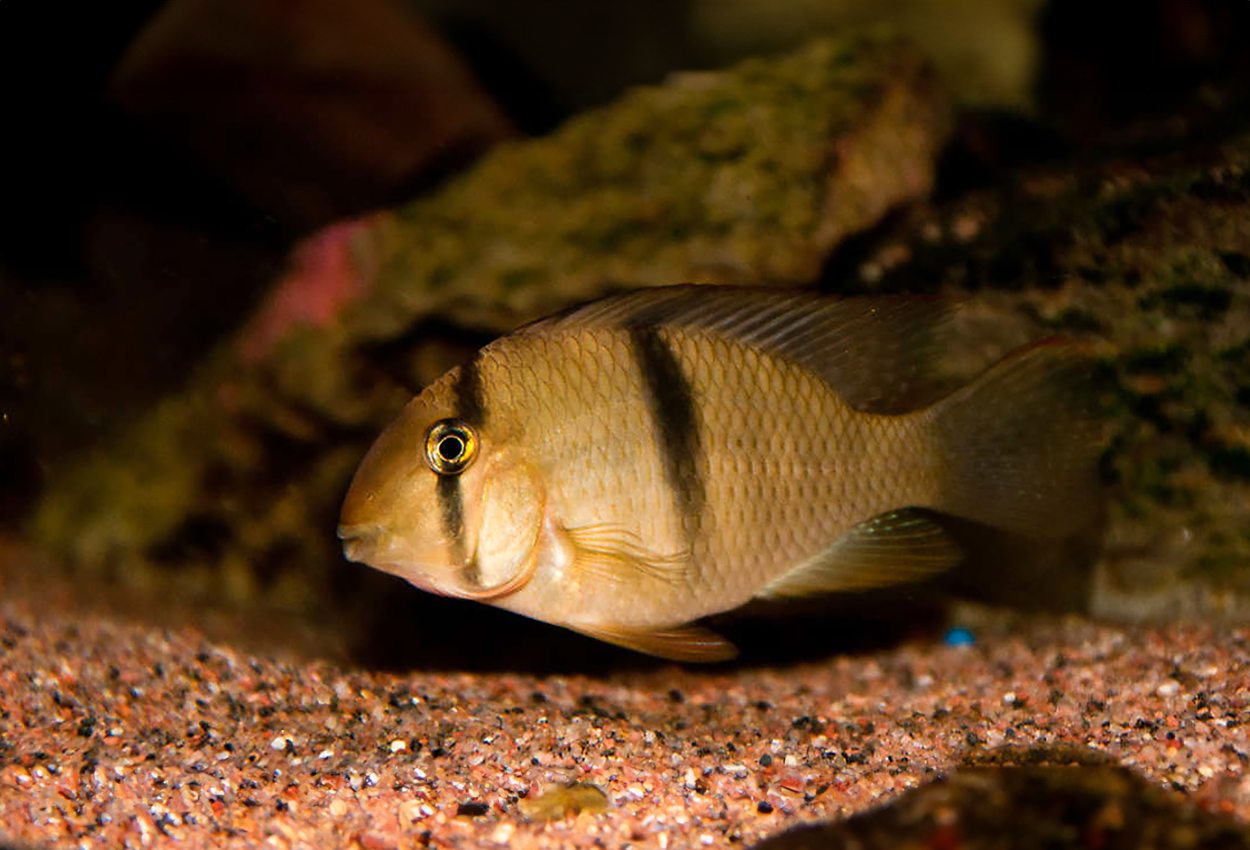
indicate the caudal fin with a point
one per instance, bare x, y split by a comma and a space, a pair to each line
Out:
1021, 442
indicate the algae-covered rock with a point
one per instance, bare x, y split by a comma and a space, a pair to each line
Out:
751, 175
1154, 257
987, 53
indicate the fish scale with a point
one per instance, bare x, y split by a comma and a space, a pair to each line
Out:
787, 426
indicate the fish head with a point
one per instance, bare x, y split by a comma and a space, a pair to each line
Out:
445, 503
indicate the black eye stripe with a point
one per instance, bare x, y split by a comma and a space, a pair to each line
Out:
451, 504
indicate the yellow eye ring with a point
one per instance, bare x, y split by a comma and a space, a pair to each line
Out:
450, 446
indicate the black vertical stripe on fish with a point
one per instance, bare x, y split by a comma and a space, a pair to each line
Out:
470, 402
451, 506
670, 399
470, 395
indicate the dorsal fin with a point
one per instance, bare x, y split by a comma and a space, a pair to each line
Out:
875, 351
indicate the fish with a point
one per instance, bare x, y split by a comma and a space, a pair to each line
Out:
630, 467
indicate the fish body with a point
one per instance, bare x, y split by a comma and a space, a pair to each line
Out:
635, 465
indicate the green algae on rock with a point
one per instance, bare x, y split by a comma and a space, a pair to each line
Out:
229, 491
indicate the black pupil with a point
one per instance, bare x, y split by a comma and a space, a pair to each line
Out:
450, 448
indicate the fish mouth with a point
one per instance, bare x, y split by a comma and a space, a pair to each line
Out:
371, 546
360, 544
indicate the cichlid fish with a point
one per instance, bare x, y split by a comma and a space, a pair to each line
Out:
629, 467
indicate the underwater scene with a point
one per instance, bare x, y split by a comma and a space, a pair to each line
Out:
631, 423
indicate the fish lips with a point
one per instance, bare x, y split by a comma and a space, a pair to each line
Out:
372, 546
357, 545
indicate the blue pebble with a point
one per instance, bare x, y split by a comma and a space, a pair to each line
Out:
959, 636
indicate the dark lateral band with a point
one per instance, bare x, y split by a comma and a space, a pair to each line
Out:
670, 399
470, 395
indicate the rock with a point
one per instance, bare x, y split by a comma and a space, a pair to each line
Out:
1151, 256
1058, 804
987, 55
313, 109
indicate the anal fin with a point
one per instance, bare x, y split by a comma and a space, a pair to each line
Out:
890, 548
676, 643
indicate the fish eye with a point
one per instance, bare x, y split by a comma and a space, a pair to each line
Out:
449, 446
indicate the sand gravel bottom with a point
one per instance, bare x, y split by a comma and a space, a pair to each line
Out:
114, 734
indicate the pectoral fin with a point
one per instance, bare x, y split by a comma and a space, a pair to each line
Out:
615, 555
890, 548
677, 643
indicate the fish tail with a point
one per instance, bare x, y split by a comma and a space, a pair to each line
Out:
1021, 443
